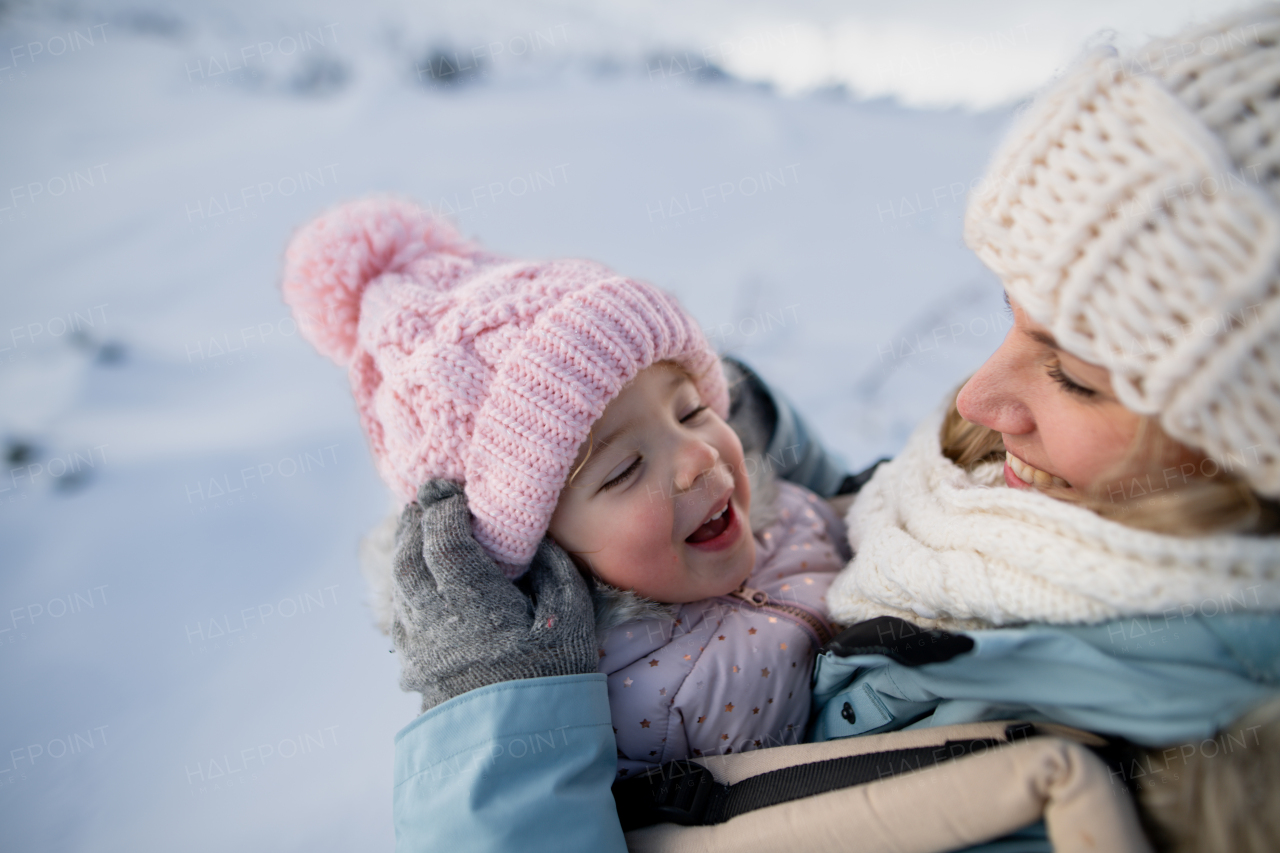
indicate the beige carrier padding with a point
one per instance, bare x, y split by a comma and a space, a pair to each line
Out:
943, 808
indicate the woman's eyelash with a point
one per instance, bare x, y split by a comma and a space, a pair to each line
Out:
693, 414
1056, 374
618, 480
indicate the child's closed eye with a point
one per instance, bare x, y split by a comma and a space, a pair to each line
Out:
621, 478
689, 417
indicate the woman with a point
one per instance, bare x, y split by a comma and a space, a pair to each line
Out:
1113, 468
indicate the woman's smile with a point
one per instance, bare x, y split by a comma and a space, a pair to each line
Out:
1021, 475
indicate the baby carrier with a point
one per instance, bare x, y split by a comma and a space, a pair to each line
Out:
938, 789
910, 791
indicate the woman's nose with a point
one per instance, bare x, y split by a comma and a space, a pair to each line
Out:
695, 458
994, 396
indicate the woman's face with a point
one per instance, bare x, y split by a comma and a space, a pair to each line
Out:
1061, 422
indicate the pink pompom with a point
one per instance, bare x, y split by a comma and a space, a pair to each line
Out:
333, 258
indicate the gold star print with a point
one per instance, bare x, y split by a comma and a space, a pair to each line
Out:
644, 724
751, 630
601, 652
721, 637
773, 619
688, 657
755, 710
729, 707
678, 621
735, 669
757, 744
653, 752
662, 691
786, 587
697, 752
700, 719
804, 564
808, 581
653, 662
764, 673
627, 683
724, 737
782, 646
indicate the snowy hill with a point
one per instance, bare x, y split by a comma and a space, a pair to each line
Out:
187, 654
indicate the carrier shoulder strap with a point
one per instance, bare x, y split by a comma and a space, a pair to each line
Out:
685, 792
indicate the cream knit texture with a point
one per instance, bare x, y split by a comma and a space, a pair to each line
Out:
1134, 210
945, 548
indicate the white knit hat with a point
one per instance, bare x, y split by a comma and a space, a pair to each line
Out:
1134, 210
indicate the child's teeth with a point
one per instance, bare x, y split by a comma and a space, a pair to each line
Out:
718, 514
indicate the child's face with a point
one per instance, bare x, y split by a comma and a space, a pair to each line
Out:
639, 510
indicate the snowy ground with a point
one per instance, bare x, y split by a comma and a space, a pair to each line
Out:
188, 661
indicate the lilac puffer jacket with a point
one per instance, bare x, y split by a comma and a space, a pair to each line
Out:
730, 673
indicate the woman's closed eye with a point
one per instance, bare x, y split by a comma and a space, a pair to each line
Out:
622, 477
1068, 385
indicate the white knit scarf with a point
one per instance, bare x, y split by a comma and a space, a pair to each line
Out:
944, 548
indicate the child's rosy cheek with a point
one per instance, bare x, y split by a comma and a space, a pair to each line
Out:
648, 531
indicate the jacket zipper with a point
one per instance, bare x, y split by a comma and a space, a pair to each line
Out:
759, 598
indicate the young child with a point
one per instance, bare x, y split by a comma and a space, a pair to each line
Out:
659, 511
573, 402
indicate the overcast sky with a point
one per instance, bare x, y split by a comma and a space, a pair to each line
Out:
926, 53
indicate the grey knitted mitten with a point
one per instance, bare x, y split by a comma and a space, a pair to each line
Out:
460, 624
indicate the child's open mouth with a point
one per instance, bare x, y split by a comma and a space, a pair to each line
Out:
718, 530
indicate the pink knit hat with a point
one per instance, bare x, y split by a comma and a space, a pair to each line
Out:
476, 369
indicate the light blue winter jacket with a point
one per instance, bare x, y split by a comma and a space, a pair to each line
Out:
520, 765
1153, 680
460, 783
